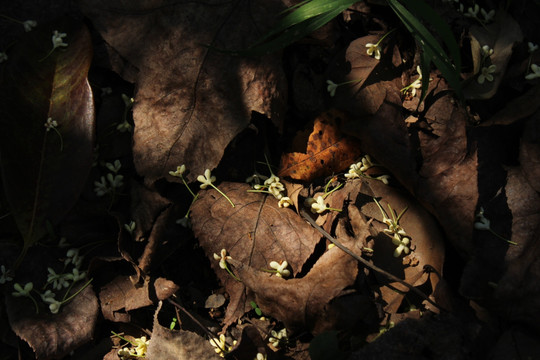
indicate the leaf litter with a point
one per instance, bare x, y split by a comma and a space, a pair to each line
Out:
445, 167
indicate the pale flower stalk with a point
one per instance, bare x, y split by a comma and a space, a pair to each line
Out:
207, 180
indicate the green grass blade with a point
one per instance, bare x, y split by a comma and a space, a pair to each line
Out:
429, 45
427, 13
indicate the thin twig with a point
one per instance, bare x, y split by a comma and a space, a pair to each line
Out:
366, 263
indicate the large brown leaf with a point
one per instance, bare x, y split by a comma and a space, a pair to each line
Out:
42, 176
255, 232
191, 100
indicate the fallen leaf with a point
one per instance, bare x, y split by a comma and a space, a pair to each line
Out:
187, 91
177, 344
500, 36
516, 109
43, 172
120, 296
256, 231
302, 303
328, 150
364, 94
53, 336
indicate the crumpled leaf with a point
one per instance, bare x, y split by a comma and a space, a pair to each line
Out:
186, 89
304, 303
426, 239
120, 296
500, 36
177, 344
53, 336
43, 172
255, 232
328, 150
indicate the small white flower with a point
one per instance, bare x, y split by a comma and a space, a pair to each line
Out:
260, 356
75, 275
332, 87
20, 291
48, 297
125, 353
256, 179
101, 187
486, 74
319, 206
383, 178
6, 275
488, 16
3, 57
285, 202
374, 49
532, 47
281, 269
486, 51
114, 167
402, 244
180, 170
29, 24
473, 12
57, 39
141, 345
128, 102
130, 227
207, 179
276, 188
482, 223
220, 345
278, 337
50, 124
535, 74
223, 258
73, 257
54, 306
115, 180
58, 280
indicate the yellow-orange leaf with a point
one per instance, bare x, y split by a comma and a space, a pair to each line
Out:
328, 150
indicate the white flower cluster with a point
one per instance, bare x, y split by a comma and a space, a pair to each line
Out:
473, 11
358, 170
57, 281
137, 350
272, 186
278, 338
112, 182
398, 234
220, 345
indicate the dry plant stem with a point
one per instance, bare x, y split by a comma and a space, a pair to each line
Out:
366, 263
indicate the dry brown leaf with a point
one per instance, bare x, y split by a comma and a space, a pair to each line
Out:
328, 150
53, 336
304, 303
177, 344
516, 109
500, 36
426, 238
120, 296
365, 94
191, 100
255, 232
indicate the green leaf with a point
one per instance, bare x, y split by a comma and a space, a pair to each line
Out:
43, 172
298, 24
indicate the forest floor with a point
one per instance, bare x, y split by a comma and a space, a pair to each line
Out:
166, 198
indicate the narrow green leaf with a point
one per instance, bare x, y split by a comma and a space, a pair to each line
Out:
429, 45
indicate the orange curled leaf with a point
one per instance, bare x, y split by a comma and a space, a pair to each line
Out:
328, 150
